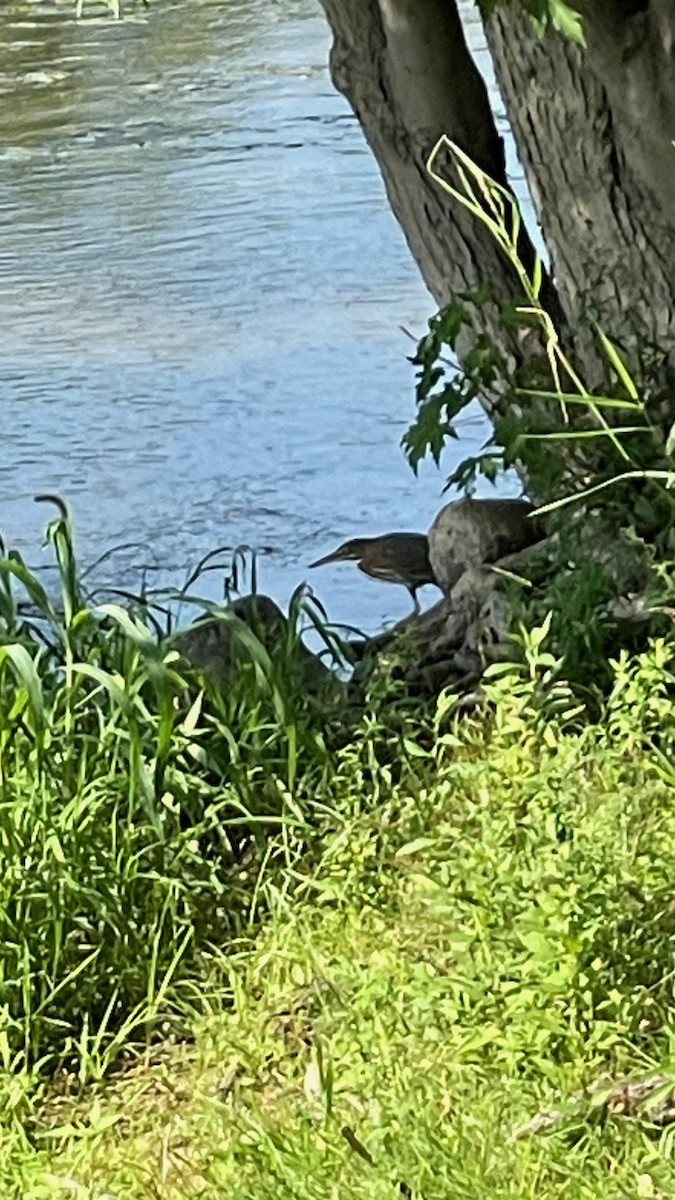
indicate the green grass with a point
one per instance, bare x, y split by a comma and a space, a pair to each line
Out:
483, 941
136, 804
252, 948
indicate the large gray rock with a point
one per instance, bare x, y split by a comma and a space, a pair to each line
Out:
474, 533
218, 645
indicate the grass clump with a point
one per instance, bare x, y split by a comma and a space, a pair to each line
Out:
481, 945
135, 804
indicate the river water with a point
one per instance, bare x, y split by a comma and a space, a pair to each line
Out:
201, 295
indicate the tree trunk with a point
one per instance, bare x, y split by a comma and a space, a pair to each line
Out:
593, 129
407, 72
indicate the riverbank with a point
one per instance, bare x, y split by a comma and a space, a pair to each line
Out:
473, 929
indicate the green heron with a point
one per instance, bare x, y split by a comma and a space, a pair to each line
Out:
396, 557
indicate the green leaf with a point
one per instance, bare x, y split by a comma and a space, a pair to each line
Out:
618, 364
134, 629
665, 477
537, 275
14, 565
566, 20
566, 435
190, 723
413, 749
414, 847
24, 669
113, 683
586, 398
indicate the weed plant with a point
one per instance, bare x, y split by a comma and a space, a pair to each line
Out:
598, 458
136, 806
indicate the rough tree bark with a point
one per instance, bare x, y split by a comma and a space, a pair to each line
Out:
406, 70
593, 128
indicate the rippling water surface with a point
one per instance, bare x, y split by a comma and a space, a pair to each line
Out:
201, 289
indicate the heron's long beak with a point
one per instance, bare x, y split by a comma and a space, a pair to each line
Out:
334, 556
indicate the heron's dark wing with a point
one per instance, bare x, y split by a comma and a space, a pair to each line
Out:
384, 571
410, 553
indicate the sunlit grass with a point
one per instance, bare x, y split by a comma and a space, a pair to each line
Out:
450, 966
257, 946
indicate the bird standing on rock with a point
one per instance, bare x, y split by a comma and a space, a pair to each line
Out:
466, 533
394, 557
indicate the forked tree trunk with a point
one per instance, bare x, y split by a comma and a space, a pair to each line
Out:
593, 129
